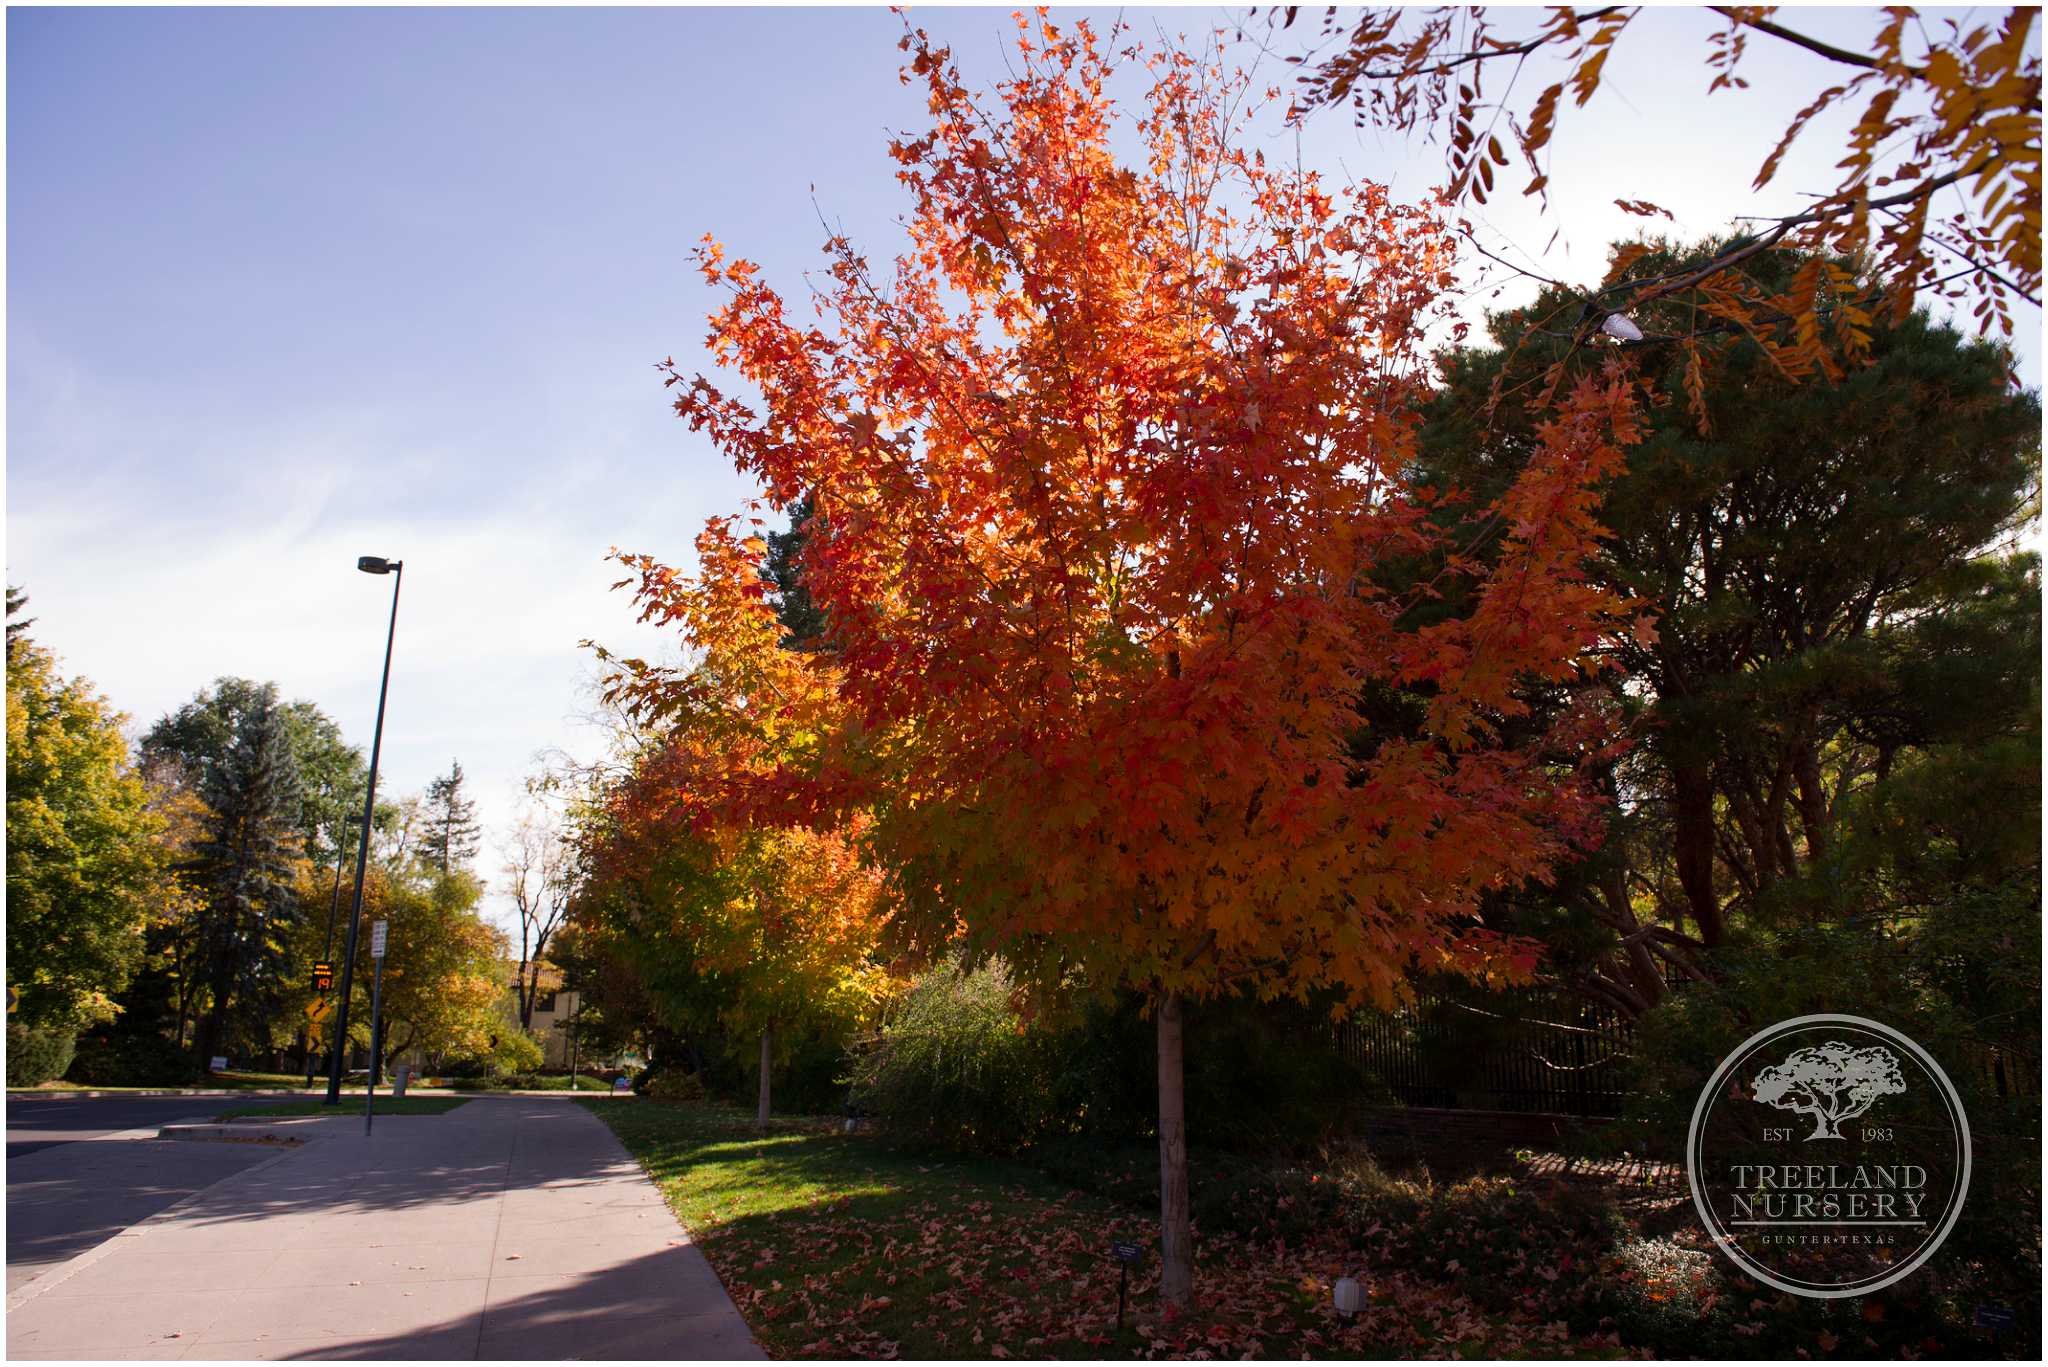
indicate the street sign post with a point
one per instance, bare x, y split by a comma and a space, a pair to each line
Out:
377, 929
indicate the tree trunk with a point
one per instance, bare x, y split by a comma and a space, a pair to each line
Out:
1692, 832
1176, 1242
213, 1025
204, 1039
1812, 798
761, 1108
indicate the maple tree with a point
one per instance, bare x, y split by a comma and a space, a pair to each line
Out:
444, 969
767, 933
1104, 477
1940, 104
86, 858
768, 927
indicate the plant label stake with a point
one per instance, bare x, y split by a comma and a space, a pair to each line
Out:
1996, 1318
377, 938
1125, 1255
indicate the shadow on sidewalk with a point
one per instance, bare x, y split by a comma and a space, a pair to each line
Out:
422, 1162
664, 1307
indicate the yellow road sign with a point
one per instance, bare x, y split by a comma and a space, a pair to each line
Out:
318, 1009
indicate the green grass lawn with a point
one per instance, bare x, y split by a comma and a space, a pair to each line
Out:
228, 1082
836, 1245
526, 1083
258, 1082
404, 1105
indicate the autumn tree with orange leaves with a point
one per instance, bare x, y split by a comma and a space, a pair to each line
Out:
1109, 478
1939, 196
775, 926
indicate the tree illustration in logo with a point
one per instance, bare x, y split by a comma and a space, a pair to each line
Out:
1831, 1082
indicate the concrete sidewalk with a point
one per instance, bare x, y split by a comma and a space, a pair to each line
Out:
507, 1228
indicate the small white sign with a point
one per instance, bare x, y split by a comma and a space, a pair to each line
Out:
217, 1064
377, 929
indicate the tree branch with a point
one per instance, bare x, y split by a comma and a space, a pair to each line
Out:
1814, 45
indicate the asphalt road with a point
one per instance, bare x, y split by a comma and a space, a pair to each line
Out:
80, 1170
35, 1123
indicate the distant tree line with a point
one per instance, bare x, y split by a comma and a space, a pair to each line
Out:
166, 905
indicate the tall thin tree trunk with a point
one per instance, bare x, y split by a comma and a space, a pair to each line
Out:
1176, 1241
213, 1025
1811, 797
1692, 813
761, 1109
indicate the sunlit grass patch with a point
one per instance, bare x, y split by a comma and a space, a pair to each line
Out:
403, 1105
837, 1245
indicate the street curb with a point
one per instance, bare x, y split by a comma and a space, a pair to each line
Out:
32, 1093
65, 1271
251, 1132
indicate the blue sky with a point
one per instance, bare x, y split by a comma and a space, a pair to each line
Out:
287, 286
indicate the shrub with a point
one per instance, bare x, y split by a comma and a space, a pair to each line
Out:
516, 1052
513, 1053
675, 1084
546, 1082
35, 1056
811, 1075
1107, 1075
126, 1059
956, 1066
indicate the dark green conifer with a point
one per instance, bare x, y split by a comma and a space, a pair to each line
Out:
451, 835
244, 868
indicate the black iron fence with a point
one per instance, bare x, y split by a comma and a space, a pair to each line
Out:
1533, 1051
1511, 1051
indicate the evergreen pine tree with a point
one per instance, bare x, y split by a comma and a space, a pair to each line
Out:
450, 840
1808, 559
802, 619
244, 867
16, 601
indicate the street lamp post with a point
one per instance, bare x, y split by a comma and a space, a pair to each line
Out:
333, 909
368, 564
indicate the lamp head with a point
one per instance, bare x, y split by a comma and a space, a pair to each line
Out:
377, 564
